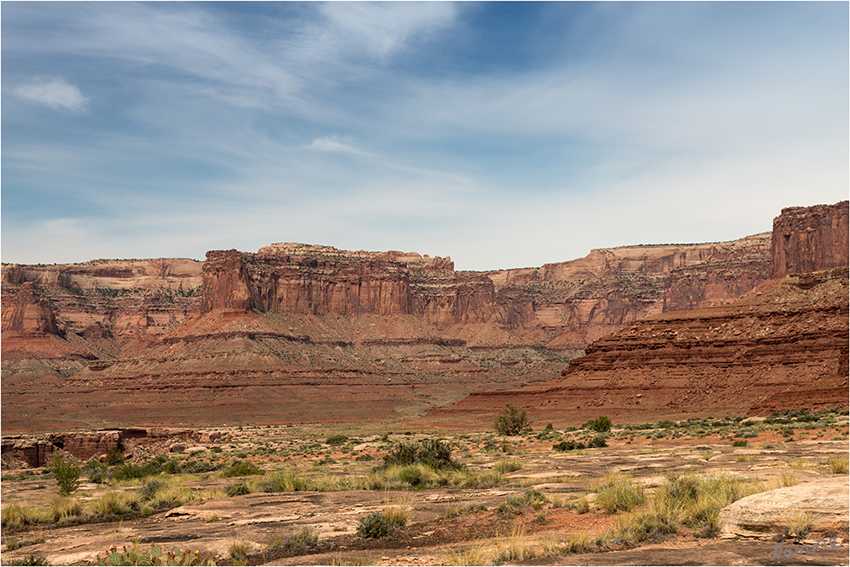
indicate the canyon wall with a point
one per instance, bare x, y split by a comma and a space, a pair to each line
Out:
122, 301
809, 239
320, 280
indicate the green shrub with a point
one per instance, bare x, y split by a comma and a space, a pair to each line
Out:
66, 473
336, 440
740, 443
507, 466
114, 455
95, 471
149, 489
619, 492
597, 441
601, 424
570, 445
241, 468
237, 489
375, 525
301, 542
429, 452
512, 421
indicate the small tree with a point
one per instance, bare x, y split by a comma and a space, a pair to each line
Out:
66, 473
601, 424
512, 420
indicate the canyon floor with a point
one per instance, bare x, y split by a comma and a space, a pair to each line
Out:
516, 500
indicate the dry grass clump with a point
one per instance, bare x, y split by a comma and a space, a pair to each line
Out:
515, 548
17, 516
798, 523
838, 464
508, 466
473, 554
66, 510
618, 492
114, 503
397, 508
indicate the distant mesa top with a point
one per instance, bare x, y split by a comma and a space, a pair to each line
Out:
411, 259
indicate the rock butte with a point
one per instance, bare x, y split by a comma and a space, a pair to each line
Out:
297, 333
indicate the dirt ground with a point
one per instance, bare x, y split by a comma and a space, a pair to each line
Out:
260, 521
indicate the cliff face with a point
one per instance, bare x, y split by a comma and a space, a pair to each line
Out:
808, 239
27, 312
786, 347
320, 280
117, 300
574, 303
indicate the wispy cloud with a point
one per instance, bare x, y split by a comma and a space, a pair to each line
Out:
55, 93
334, 144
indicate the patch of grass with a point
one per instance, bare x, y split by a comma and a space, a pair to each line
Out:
237, 489
837, 464
507, 466
515, 548
241, 468
798, 523
66, 510
238, 552
19, 543
114, 503
301, 542
31, 559
618, 493
472, 554
397, 509
579, 542
581, 505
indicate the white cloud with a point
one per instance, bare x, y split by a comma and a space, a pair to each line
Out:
333, 144
382, 28
56, 94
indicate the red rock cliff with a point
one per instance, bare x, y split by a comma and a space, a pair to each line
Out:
808, 239
320, 280
29, 313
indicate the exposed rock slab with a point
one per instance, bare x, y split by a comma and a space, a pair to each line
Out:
770, 514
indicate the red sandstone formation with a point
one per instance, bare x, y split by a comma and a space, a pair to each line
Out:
27, 312
287, 333
809, 239
785, 348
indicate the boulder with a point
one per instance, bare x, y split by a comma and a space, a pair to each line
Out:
773, 513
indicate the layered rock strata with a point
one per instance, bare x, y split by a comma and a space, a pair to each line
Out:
783, 348
809, 239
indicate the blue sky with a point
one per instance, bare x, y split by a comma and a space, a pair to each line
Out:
500, 134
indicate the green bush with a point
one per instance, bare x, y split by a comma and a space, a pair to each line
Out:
597, 441
512, 421
740, 443
375, 525
114, 456
570, 445
429, 452
336, 440
95, 471
241, 468
301, 542
601, 424
237, 489
149, 489
66, 473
